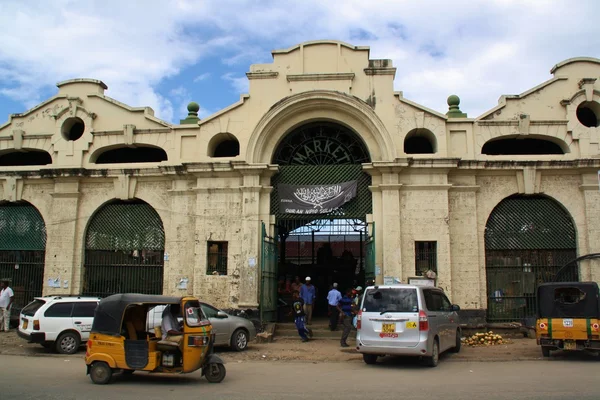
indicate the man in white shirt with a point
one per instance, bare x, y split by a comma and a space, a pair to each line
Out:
170, 325
333, 299
6, 298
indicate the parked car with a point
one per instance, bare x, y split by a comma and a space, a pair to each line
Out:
229, 330
58, 322
407, 320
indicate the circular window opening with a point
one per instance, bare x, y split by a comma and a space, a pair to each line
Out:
72, 128
588, 113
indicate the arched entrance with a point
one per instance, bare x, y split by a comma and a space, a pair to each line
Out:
527, 240
22, 251
124, 250
320, 199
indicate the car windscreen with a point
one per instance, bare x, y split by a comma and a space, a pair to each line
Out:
31, 308
390, 300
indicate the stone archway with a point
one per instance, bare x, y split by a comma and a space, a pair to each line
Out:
527, 240
319, 105
22, 251
124, 250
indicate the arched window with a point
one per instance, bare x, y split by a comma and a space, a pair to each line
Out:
26, 157
139, 154
420, 141
519, 146
224, 145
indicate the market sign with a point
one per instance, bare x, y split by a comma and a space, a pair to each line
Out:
315, 199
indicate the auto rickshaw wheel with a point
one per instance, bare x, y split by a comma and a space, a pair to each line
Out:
215, 373
100, 373
545, 351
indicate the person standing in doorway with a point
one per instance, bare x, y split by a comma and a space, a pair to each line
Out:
333, 299
346, 312
6, 298
298, 311
308, 294
296, 285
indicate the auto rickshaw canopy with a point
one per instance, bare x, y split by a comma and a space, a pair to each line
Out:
568, 300
109, 313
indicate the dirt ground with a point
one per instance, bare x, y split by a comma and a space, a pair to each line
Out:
318, 350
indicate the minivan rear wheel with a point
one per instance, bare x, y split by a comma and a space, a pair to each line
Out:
434, 359
456, 347
370, 359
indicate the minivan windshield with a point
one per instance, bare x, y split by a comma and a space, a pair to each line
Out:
31, 308
390, 300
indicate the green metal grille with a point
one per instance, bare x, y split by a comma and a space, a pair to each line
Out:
529, 222
268, 290
356, 208
125, 244
527, 240
370, 257
21, 227
126, 226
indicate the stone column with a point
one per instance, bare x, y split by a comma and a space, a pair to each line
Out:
590, 269
390, 224
250, 246
179, 240
61, 240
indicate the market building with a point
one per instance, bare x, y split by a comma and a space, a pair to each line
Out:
321, 170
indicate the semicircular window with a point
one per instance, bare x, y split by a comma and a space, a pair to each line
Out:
224, 145
420, 141
25, 157
321, 143
125, 155
514, 146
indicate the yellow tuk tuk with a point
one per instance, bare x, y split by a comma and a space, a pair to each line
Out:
121, 339
568, 317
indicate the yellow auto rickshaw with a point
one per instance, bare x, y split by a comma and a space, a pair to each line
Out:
568, 317
123, 339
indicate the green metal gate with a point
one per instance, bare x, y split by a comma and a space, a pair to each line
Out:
124, 250
370, 256
527, 240
268, 277
22, 251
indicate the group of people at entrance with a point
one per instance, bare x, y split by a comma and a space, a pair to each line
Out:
342, 309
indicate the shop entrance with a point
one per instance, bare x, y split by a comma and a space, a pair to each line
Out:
320, 200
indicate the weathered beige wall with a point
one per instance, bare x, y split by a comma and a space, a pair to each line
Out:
446, 196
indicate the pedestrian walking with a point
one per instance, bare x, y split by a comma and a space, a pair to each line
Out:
6, 298
298, 311
346, 312
308, 294
333, 299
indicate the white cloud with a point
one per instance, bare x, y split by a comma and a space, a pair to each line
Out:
476, 49
202, 77
239, 84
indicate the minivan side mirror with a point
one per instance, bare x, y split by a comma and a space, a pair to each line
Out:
455, 307
221, 314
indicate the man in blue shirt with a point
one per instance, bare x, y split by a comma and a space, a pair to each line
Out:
347, 311
333, 299
308, 294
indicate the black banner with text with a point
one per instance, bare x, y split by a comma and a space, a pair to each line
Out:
315, 199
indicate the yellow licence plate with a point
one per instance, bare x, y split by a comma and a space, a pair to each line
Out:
388, 328
25, 322
569, 345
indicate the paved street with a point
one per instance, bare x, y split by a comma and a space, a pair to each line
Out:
64, 378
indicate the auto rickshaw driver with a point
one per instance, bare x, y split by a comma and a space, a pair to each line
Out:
170, 326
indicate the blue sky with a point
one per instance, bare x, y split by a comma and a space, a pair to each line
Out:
165, 53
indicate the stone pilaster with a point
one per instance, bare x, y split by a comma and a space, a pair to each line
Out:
61, 240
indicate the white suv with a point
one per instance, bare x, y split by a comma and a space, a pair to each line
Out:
62, 323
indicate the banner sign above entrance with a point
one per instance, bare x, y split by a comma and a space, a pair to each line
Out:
315, 199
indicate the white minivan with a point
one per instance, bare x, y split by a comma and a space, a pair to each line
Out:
58, 322
406, 320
